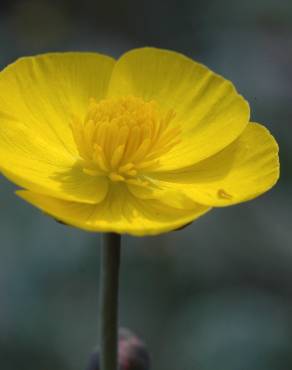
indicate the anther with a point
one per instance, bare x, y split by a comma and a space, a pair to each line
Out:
116, 177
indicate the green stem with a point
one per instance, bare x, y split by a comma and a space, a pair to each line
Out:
109, 291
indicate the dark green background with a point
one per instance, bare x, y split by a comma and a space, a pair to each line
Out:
214, 296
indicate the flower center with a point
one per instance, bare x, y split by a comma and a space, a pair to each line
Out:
123, 137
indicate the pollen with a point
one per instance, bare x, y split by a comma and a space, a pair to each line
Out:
123, 138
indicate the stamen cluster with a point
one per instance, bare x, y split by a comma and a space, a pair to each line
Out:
124, 137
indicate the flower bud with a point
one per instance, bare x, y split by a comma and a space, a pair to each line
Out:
132, 353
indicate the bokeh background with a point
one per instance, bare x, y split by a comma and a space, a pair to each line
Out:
214, 296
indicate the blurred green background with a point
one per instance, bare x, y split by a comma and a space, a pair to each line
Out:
214, 296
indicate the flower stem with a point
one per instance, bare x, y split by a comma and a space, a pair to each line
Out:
109, 288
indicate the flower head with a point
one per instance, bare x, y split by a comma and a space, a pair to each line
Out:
141, 145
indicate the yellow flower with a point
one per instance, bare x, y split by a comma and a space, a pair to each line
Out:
141, 145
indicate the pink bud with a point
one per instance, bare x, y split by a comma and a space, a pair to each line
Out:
132, 352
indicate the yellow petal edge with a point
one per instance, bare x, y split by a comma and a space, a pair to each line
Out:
242, 171
120, 213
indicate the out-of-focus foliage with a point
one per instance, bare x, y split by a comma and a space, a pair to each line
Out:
216, 295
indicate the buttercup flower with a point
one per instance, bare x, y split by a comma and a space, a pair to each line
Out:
141, 145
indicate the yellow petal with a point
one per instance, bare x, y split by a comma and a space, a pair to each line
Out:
31, 163
165, 193
120, 212
245, 169
208, 109
55, 179
38, 95
43, 92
